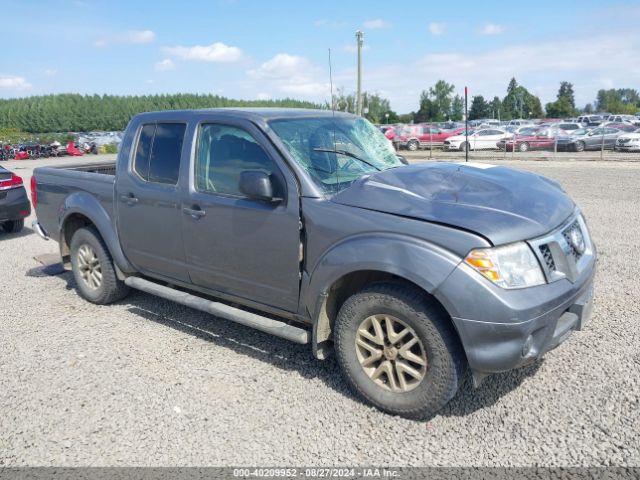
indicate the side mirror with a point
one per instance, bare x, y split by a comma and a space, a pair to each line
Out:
403, 159
256, 185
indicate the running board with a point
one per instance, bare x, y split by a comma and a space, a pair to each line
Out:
264, 324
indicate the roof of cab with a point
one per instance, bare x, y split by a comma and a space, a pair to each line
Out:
264, 114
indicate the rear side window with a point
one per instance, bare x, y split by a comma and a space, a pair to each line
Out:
143, 151
158, 152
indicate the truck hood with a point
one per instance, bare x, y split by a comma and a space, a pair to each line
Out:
502, 204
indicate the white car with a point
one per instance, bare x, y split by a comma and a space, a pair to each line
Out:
628, 142
484, 139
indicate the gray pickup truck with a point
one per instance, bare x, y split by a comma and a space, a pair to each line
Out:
306, 225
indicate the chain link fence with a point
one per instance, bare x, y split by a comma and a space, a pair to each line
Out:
520, 139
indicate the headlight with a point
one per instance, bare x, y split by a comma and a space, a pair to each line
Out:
511, 266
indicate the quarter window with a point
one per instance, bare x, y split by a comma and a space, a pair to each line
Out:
224, 152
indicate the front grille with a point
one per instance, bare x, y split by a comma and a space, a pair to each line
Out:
566, 252
548, 257
566, 233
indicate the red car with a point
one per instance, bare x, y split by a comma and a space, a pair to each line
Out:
413, 137
542, 139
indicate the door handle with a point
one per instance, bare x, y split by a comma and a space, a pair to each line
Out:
194, 212
129, 199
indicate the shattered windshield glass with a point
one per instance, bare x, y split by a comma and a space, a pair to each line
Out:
336, 152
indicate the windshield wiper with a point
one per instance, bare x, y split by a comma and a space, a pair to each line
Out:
346, 153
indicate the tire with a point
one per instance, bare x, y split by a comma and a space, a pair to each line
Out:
523, 147
93, 269
405, 307
579, 146
463, 146
13, 226
413, 145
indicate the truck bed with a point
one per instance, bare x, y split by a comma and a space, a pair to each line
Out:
56, 184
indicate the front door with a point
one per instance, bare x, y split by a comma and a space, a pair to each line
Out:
148, 202
233, 244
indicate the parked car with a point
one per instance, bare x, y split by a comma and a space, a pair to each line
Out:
14, 203
601, 137
484, 139
413, 137
628, 142
623, 119
590, 120
519, 122
301, 223
625, 127
540, 139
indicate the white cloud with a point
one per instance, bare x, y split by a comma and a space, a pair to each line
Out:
291, 75
50, 72
132, 37
436, 28
143, 36
263, 96
12, 82
216, 52
375, 24
164, 65
601, 61
491, 29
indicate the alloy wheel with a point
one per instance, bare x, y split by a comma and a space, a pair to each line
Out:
391, 353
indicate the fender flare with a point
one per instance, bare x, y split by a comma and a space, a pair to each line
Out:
88, 206
425, 264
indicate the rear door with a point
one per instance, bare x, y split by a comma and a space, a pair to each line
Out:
148, 199
236, 245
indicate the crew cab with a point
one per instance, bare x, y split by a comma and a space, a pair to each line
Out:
304, 224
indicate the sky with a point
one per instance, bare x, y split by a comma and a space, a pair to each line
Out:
251, 49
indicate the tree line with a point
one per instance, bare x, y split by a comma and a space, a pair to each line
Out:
77, 113
82, 113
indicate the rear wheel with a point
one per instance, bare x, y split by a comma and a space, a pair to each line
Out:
398, 350
93, 268
13, 226
523, 147
413, 145
579, 147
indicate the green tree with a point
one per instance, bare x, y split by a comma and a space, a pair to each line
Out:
479, 108
457, 109
375, 106
565, 104
435, 103
622, 100
519, 103
73, 112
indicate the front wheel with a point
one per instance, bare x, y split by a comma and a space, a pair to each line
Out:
579, 146
523, 147
397, 349
93, 268
413, 145
464, 146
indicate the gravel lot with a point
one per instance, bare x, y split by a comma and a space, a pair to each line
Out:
149, 382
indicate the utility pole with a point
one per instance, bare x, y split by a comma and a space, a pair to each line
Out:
360, 41
466, 126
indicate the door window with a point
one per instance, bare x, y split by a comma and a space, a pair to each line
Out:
158, 152
224, 152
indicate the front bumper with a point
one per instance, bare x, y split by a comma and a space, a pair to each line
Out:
14, 204
504, 329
